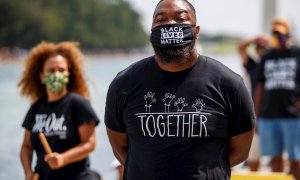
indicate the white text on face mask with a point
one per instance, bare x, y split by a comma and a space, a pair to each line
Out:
171, 29
171, 41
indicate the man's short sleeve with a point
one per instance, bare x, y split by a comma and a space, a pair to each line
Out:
243, 114
113, 112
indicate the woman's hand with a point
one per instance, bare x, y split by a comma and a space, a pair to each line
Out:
55, 160
77, 153
29, 175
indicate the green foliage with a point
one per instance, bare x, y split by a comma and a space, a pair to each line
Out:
96, 24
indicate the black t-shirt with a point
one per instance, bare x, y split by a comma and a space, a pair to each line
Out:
59, 121
252, 69
178, 123
279, 72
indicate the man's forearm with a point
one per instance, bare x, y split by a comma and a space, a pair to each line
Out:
236, 158
121, 155
239, 147
119, 144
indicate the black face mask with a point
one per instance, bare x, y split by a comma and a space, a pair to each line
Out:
172, 35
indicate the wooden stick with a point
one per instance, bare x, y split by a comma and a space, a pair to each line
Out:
45, 143
47, 148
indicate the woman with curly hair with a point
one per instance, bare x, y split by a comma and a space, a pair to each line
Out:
54, 81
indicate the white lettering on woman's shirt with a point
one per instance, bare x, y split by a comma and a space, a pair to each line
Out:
50, 125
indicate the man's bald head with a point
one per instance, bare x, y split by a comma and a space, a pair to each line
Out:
188, 4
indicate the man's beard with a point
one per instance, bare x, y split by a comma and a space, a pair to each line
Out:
174, 54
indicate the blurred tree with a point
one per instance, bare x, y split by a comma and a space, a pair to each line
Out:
96, 24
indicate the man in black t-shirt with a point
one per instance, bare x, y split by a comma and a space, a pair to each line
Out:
178, 115
277, 100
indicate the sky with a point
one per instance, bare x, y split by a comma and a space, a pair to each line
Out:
233, 17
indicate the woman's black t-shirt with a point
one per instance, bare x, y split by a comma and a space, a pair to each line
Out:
59, 121
178, 124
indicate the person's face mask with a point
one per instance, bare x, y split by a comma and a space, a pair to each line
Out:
279, 40
56, 82
172, 35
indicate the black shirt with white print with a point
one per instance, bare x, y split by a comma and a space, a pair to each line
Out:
59, 121
279, 72
178, 123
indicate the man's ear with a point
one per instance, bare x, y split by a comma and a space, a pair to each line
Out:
197, 31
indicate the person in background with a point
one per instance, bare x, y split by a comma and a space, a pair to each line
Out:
54, 81
276, 100
178, 114
251, 63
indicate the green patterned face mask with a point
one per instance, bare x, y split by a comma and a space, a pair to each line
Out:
55, 82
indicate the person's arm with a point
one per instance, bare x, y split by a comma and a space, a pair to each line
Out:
119, 144
242, 49
239, 147
26, 155
258, 97
77, 153
263, 40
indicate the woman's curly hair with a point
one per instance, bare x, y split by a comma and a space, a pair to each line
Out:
30, 83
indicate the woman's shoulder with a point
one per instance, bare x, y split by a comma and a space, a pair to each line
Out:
38, 102
75, 97
78, 101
